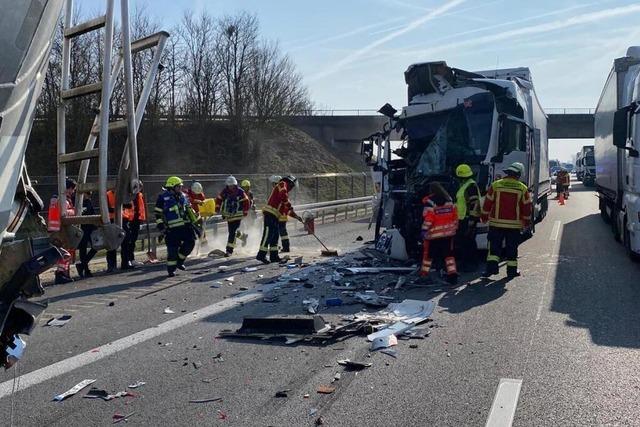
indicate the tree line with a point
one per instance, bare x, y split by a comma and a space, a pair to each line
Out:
211, 67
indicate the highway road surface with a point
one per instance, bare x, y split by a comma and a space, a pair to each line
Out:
557, 346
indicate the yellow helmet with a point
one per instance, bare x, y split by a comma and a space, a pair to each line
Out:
245, 184
464, 171
172, 181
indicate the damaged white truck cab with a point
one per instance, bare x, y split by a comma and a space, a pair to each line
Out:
486, 119
617, 146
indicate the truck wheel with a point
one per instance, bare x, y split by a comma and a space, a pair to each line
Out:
627, 244
544, 208
615, 227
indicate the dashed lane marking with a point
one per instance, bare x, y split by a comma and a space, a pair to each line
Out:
555, 232
504, 403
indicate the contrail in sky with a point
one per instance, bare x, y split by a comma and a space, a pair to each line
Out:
366, 49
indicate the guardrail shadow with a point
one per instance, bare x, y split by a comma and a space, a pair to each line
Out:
597, 285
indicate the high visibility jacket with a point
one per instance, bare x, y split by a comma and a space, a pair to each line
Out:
564, 178
468, 200
135, 210
173, 210
278, 203
507, 204
234, 204
439, 220
193, 197
111, 204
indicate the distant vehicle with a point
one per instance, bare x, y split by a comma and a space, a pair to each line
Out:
579, 166
487, 119
587, 166
617, 141
568, 167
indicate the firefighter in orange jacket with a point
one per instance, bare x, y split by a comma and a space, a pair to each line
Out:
438, 231
507, 209
277, 206
133, 214
63, 273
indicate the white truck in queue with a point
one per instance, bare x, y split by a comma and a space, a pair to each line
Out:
586, 165
617, 144
486, 119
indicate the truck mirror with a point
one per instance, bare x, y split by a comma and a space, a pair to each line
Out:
633, 152
620, 127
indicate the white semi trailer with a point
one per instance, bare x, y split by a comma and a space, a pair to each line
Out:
486, 119
617, 141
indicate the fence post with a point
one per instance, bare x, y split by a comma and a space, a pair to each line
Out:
335, 188
317, 190
352, 195
365, 184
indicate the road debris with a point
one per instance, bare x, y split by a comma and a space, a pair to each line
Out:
372, 299
212, 399
75, 389
216, 253
96, 393
60, 321
222, 415
137, 384
218, 358
384, 342
117, 417
375, 270
230, 279
319, 421
243, 288
333, 302
413, 345
283, 393
336, 377
390, 352
270, 298
402, 280
168, 310
354, 366
325, 389
250, 269
311, 305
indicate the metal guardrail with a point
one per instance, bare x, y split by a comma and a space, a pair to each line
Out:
570, 110
323, 211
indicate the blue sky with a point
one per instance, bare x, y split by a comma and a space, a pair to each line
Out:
353, 53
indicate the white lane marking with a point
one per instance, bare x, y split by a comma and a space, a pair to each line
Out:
555, 232
504, 403
67, 365
83, 305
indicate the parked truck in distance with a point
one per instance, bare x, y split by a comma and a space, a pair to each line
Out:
617, 141
486, 119
586, 165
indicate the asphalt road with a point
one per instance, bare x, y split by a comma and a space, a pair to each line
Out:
568, 331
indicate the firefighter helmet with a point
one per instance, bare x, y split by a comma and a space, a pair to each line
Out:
231, 180
196, 187
516, 169
245, 184
274, 179
172, 181
464, 171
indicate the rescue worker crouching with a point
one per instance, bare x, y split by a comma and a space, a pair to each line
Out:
507, 209
176, 218
277, 205
233, 204
438, 230
468, 207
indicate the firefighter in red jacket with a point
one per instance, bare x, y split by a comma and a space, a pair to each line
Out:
277, 206
507, 209
438, 231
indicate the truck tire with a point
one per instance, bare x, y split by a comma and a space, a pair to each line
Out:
603, 211
627, 244
544, 208
615, 227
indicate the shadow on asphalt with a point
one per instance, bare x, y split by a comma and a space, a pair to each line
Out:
597, 284
476, 294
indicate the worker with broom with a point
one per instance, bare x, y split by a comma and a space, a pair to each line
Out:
277, 205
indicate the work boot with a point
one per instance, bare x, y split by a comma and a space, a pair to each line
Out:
62, 279
87, 272
263, 259
126, 266
81, 269
171, 274
513, 272
452, 279
274, 257
491, 270
181, 267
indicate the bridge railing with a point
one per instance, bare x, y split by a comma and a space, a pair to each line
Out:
570, 110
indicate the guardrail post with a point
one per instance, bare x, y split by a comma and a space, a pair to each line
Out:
335, 188
364, 184
352, 183
317, 190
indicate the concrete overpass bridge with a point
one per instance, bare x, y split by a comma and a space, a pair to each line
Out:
343, 129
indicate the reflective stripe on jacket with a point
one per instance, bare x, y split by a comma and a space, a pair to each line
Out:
507, 204
439, 221
233, 204
278, 203
468, 200
174, 210
136, 210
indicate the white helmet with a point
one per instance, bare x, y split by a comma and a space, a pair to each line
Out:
231, 180
196, 187
274, 179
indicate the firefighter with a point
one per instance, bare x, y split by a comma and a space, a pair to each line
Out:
63, 273
507, 209
438, 231
563, 181
196, 197
176, 218
468, 206
250, 220
132, 215
86, 254
233, 204
277, 205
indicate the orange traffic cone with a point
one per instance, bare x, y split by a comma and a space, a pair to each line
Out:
561, 199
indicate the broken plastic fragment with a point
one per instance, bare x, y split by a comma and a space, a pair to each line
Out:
167, 310
222, 415
353, 366
117, 417
384, 342
311, 305
137, 384
390, 352
325, 389
60, 321
96, 393
230, 279
250, 269
212, 399
283, 393
73, 390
